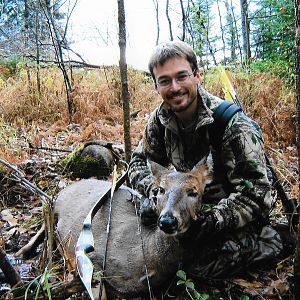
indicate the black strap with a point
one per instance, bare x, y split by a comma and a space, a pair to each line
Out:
222, 114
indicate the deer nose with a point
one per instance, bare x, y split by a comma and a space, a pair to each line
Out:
168, 223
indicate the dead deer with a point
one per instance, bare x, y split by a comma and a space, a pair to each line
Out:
133, 247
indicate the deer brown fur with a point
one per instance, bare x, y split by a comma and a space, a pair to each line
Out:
132, 246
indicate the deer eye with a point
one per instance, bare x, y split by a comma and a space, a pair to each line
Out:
154, 191
158, 190
193, 194
161, 190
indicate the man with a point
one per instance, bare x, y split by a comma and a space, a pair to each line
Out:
178, 134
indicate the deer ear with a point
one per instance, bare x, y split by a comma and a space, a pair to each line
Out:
156, 169
204, 168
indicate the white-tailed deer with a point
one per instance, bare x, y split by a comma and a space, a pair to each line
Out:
132, 246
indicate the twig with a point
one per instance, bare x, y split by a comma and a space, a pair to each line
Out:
47, 148
60, 291
27, 184
33, 243
12, 276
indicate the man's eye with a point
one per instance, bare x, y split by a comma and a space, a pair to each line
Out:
165, 81
182, 77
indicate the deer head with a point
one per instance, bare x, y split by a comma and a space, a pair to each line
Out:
178, 196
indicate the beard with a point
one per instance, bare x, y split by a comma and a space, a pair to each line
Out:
180, 108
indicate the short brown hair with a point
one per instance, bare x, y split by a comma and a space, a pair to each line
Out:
171, 49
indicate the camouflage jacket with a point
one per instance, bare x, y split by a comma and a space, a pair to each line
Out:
240, 192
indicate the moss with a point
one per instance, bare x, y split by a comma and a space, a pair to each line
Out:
65, 162
87, 165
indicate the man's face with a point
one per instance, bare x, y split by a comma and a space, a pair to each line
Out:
177, 84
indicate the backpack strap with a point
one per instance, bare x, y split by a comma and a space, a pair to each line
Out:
222, 114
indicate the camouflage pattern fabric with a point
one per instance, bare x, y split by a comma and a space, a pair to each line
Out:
230, 254
240, 192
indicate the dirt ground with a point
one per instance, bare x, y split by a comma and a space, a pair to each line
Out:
23, 212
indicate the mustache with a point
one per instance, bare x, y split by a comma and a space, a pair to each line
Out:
175, 94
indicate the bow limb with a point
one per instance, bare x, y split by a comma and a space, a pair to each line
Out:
85, 242
228, 89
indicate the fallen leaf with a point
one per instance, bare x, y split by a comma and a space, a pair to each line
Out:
8, 217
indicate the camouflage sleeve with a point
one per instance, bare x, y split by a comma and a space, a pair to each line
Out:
244, 161
151, 147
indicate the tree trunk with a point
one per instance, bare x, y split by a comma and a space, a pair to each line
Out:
124, 78
183, 21
57, 44
206, 30
232, 35
236, 31
157, 21
245, 31
169, 20
297, 254
189, 26
222, 32
38, 79
25, 15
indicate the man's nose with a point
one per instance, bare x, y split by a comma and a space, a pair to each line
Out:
174, 85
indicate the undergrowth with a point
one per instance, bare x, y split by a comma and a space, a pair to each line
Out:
41, 119
98, 101
29, 116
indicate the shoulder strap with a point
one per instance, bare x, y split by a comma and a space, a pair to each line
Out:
222, 114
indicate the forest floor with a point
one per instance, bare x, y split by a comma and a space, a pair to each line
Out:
22, 216
36, 151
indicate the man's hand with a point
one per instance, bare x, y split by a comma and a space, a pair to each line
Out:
148, 212
203, 228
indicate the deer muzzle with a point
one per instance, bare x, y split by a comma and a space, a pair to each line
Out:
168, 223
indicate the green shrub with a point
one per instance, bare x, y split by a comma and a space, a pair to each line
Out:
9, 66
280, 68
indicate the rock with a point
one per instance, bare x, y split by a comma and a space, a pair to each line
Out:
87, 161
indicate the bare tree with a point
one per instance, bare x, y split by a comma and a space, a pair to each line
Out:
236, 30
222, 31
206, 30
169, 20
297, 254
232, 31
245, 31
124, 78
183, 21
155, 2
38, 79
58, 41
189, 24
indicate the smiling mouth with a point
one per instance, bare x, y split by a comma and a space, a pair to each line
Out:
176, 96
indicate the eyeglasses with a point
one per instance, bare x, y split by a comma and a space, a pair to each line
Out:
180, 79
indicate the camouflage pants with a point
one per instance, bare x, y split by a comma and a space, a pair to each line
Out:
235, 253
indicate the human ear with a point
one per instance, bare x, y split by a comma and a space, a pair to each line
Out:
156, 88
198, 76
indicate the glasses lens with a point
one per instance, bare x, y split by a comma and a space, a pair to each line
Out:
182, 77
164, 81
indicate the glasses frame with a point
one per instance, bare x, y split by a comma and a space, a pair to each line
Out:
176, 80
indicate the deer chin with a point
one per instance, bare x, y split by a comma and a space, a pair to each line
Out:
182, 229
171, 234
